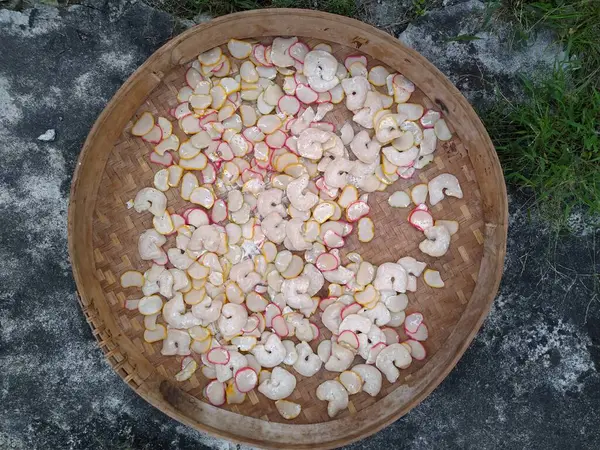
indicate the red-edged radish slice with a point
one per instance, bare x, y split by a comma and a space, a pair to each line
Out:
170, 143
305, 94
406, 172
333, 240
366, 229
215, 393
289, 105
259, 54
182, 110
193, 77
279, 326
166, 127
348, 338
298, 51
291, 143
352, 308
442, 131
219, 211
316, 332
357, 210
276, 140
412, 322
421, 334
164, 160
374, 352
391, 335
218, 355
197, 217
325, 302
420, 219
251, 324
417, 351
161, 260
355, 58
246, 379
224, 151
430, 117
143, 125
271, 311
209, 174
190, 125
154, 136
268, 60
326, 262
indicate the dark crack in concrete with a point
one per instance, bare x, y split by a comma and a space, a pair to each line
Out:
530, 379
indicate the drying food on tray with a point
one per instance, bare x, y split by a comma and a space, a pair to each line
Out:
237, 278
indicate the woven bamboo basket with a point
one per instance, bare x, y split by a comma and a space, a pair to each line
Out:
103, 234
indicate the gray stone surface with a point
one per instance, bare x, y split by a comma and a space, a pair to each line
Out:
530, 379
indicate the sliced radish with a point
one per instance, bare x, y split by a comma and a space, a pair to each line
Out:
298, 51
219, 211
251, 324
218, 355
197, 217
256, 302
325, 302
166, 127
182, 110
378, 75
326, 262
164, 160
215, 393
357, 210
246, 379
348, 338
305, 94
374, 351
276, 139
442, 131
143, 125
316, 332
271, 311
421, 334
184, 94
193, 77
417, 350
333, 240
190, 125
325, 126
352, 308
366, 229
154, 136
391, 335
412, 322
239, 49
289, 104
279, 326
355, 58
430, 117
209, 174
420, 219
324, 97
161, 260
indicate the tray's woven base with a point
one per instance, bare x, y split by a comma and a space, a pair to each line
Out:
116, 231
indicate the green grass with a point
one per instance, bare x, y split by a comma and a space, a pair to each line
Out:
549, 144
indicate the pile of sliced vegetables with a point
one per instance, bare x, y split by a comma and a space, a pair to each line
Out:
275, 191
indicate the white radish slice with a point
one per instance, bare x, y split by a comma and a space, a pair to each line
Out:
412, 322
270, 73
430, 118
417, 351
199, 333
433, 278
271, 311
412, 111
276, 140
132, 278
288, 410
391, 336
239, 49
190, 125
374, 352
150, 305
256, 302
348, 338
351, 381
442, 131
420, 219
143, 125
356, 211
203, 88
209, 372
354, 58
315, 330
218, 355
326, 262
333, 240
246, 379
209, 174
253, 134
352, 308
418, 193
289, 85
289, 105
193, 77
197, 217
323, 211
378, 75
163, 224
161, 260
166, 127
248, 72
202, 196
158, 334
202, 347
268, 124
184, 94
279, 326
175, 174
399, 199
272, 94
323, 46
181, 110
154, 136
219, 211
347, 133
189, 366
215, 392
325, 126
404, 142
366, 230
298, 51
262, 106
178, 221
164, 160
170, 143
358, 69
210, 57
324, 97
451, 225
305, 94
325, 302
337, 94
224, 151
406, 172
421, 334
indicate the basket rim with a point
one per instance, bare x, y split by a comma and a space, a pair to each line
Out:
495, 238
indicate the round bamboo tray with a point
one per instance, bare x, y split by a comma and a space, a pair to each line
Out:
103, 234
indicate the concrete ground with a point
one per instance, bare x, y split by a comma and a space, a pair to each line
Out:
529, 380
